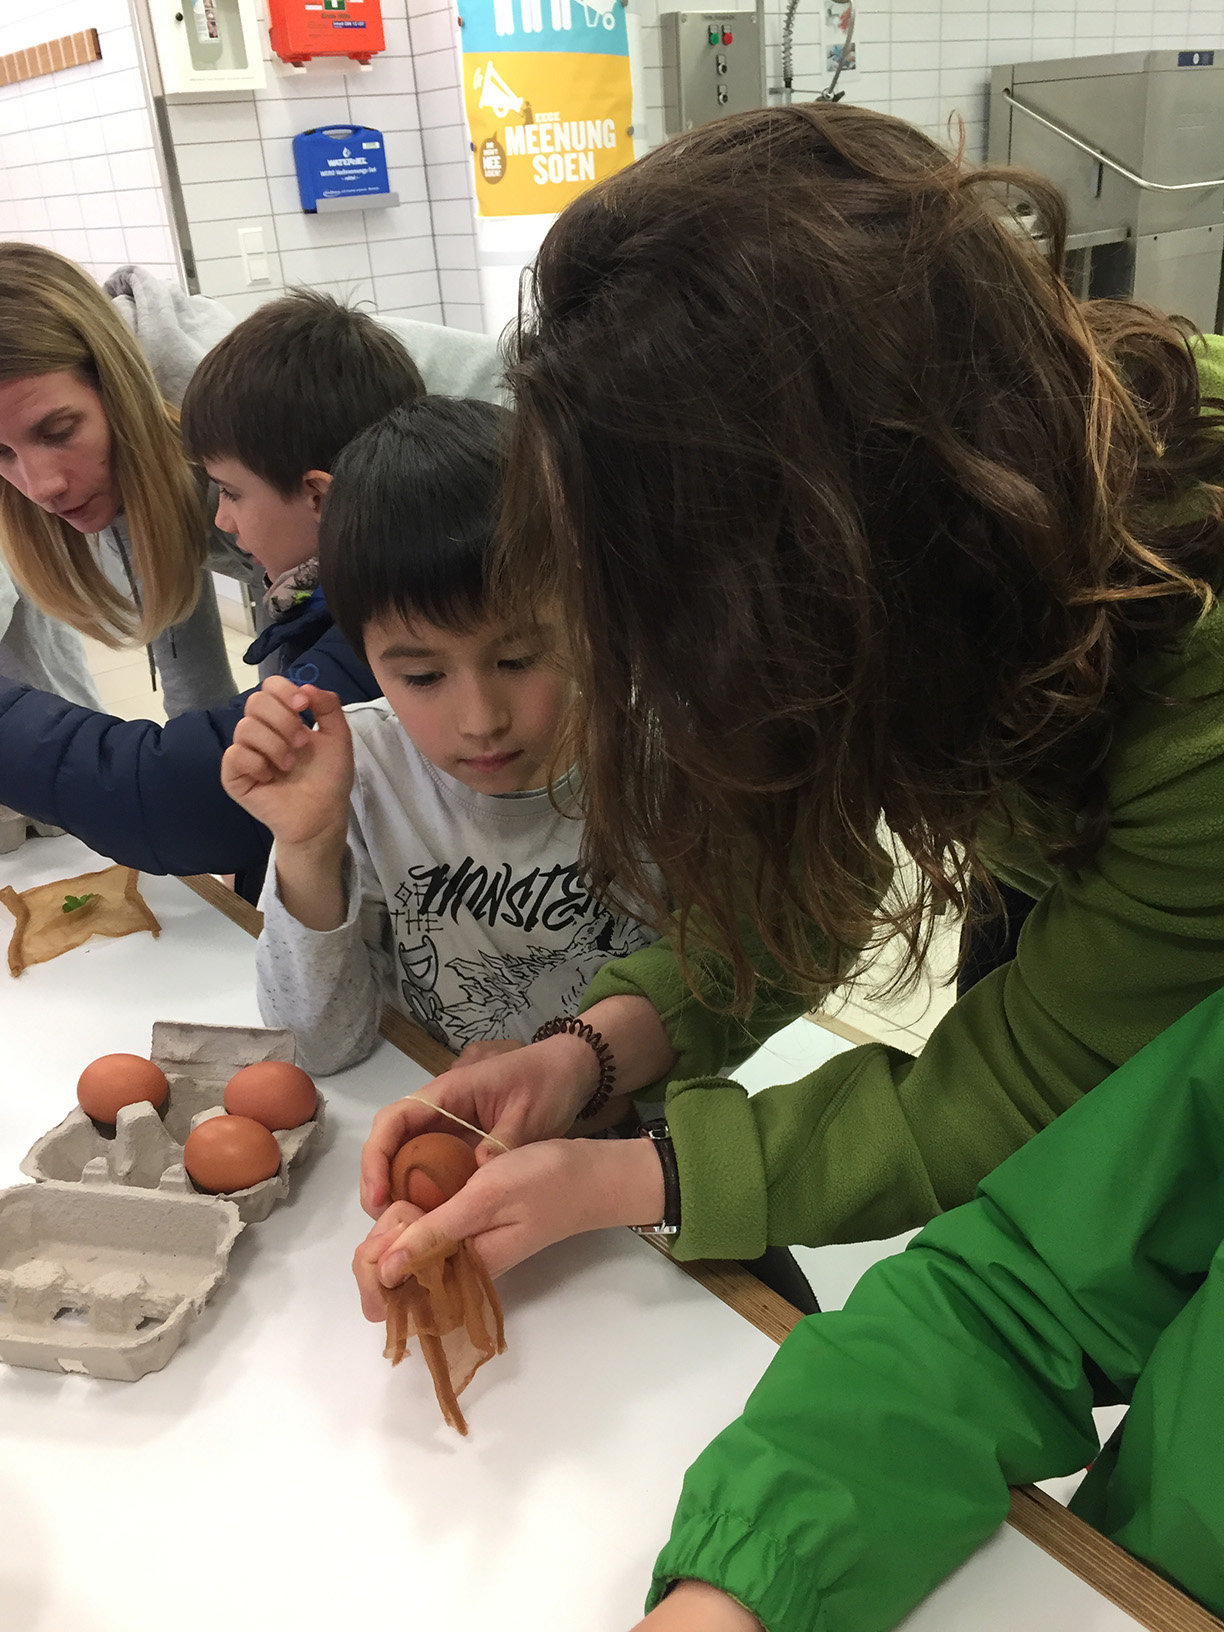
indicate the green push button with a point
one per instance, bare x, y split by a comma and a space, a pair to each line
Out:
715, 37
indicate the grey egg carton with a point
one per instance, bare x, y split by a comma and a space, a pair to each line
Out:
15, 829
110, 1255
103, 1280
147, 1149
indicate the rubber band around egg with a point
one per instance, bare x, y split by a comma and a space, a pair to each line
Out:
489, 1139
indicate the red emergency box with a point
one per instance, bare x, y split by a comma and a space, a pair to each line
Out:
301, 29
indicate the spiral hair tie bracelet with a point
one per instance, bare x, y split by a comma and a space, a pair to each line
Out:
607, 1066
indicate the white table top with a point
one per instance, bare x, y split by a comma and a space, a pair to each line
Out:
278, 1474
1010, 1585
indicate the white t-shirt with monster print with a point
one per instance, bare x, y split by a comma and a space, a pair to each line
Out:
465, 910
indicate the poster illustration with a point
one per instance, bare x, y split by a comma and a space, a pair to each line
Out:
548, 98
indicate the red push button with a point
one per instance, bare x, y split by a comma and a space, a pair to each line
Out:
726, 36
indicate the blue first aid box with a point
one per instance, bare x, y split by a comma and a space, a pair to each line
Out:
339, 162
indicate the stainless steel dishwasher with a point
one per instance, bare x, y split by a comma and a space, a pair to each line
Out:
1136, 143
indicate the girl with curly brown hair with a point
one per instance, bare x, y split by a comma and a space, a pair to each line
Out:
860, 524
862, 528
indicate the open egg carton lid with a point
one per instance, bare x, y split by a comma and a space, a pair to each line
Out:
103, 1280
147, 1149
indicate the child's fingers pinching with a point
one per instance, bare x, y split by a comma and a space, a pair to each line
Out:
326, 707
242, 768
277, 747
276, 711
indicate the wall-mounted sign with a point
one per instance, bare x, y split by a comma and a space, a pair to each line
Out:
337, 162
548, 100
301, 29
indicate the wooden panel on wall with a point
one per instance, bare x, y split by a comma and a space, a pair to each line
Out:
69, 51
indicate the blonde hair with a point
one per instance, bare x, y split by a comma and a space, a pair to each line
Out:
54, 317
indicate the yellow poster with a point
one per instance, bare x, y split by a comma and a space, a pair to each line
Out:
553, 116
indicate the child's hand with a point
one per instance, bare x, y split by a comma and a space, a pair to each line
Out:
516, 1204
693, 1606
294, 780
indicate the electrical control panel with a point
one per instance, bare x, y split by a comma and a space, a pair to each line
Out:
713, 64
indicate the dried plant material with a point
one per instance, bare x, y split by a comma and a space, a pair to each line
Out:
449, 1304
47, 926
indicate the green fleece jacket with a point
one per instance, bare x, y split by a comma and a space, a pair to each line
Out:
875, 1141
875, 1454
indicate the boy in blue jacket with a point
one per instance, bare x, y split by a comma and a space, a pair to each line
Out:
267, 412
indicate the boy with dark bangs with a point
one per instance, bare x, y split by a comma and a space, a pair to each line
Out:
420, 852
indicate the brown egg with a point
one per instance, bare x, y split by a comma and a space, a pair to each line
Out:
273, 1092
230, 1153
116, 1080
430, 1169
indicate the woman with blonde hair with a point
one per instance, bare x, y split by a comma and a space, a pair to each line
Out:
103, 522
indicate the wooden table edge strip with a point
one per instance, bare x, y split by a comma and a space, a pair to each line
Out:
1154, 1602
1106, 1567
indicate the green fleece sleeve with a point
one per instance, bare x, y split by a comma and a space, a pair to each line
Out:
876, 1142
696, 1016
1209, 359
875, 1454
695, 1005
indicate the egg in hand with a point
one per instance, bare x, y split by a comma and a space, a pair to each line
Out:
430, 1169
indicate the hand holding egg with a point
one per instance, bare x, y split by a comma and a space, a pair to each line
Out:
430, 1169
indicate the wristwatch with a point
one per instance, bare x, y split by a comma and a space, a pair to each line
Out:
660, 1134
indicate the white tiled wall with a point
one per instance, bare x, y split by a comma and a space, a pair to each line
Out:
435, 52
77, 165
235, 161
929, 60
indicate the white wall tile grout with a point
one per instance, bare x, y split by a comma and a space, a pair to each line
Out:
236, 160
78, 169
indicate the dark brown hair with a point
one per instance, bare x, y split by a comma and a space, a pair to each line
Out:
292, 384
854, 515
411, 516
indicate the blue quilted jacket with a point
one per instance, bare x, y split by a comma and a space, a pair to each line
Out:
149, 795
